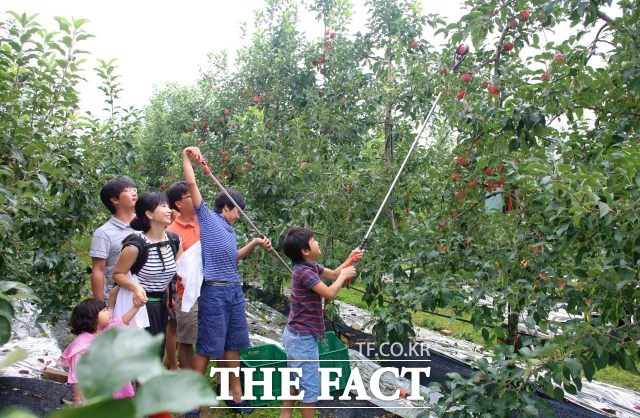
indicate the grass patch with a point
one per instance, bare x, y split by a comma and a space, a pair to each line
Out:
614, 375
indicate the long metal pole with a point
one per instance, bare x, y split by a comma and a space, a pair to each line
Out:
459, 55
244, 215
395, 180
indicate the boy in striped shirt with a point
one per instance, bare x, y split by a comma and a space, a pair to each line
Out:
305, 325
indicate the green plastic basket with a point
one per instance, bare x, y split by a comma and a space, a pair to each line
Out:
263, 356
335, 353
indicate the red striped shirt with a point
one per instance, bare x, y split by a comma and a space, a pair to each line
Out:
305, 316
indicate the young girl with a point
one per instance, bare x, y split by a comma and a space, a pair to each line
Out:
89, 318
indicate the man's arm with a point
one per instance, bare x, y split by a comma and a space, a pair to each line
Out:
98, 267
189, 154
244, 251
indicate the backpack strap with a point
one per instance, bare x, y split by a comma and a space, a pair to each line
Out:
174, 242
143, 248
137, 241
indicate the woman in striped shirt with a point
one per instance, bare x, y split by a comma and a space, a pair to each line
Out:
149, 285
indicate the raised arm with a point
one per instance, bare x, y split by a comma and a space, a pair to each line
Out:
333, 274
188, 155
329, 292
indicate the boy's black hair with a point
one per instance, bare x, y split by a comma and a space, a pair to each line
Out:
175, 193
84, 317
295, 240
222, 200
112, 189
149, 201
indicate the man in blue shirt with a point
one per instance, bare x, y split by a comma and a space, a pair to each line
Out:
222, 322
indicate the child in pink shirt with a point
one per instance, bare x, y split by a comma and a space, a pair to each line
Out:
89, 318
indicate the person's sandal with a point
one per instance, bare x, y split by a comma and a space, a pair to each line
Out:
192, 414
241, 407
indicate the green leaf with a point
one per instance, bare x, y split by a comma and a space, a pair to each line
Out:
604, 209
6, 309
558, 394
5, 330
105, 407
574, 367
16, 413
158, 394
13, 357
531, 410
118, 356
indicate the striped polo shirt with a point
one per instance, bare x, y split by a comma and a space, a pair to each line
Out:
305, 316
219, 246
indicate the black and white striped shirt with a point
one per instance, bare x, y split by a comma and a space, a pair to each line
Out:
157, 272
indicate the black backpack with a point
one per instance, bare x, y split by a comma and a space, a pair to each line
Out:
143, 248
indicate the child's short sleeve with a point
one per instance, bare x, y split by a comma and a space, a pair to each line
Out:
309, 279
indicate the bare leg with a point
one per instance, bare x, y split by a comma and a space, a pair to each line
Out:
170, 346
309, 411
185, 356
232, 359
200, 363
287, 406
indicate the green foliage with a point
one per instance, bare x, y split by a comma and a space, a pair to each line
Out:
121, 355
52, 159
311, 136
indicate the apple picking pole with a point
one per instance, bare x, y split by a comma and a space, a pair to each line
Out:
395, 180
207, 170
459, 55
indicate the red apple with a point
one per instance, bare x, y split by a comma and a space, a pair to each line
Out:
512, 23
484, 84
442, 248
455, 176
466, 77
322, 58
219, 119
507, 47
256, 99
500, 167
462, 161
493, 89
163, 186
544, 76
332, 35
472, 183
205, 123
327, 44
226, 112
524, 15
488, 171
462, 49
559, 58
461, 95
413, 44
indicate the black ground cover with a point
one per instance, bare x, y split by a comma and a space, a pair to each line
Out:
440, 366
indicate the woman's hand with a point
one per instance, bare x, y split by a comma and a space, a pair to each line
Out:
139, 296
